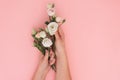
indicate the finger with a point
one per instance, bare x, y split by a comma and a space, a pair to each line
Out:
46, 55
57, 36
47, 70
61, 33
51, 51
52, 61
52, 54
41, 58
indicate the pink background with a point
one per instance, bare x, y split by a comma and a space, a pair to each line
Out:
92, 35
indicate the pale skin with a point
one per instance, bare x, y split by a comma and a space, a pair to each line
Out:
62, 66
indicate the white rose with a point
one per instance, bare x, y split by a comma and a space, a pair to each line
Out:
52, 28
47, 42
58, 19
51, 12
41, 34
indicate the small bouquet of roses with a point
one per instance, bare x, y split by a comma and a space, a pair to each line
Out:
44, 38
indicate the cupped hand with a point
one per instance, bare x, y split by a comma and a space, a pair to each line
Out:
44, 66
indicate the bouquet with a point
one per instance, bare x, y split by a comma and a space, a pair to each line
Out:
44, 38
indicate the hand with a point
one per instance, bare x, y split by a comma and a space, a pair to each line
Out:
62, 67
44, 66
60, 43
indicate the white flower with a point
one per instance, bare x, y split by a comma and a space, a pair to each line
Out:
50, 5
52, 28
51, 12
41, 34
47, 42
58, 19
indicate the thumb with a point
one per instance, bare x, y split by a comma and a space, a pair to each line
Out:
57, 36
46, 55
61, 33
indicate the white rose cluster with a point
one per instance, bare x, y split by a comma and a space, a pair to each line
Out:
46, 42
44, 38
51, 28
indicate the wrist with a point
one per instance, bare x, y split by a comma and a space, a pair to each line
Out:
61, 57
39, 77
42, 77
60, 53
40, 74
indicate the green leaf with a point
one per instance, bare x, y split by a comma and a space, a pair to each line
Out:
46, 22
53, 67
53, 19
42, 50
34, 32
41, 29
34, 44
39, 47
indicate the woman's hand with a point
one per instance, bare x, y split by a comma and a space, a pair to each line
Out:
62, 67
60, 43
44, 67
